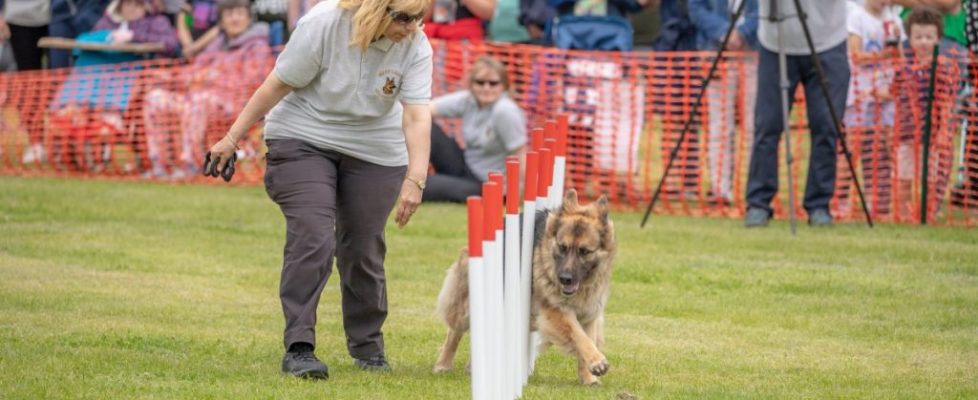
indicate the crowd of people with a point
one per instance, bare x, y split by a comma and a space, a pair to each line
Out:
863, 45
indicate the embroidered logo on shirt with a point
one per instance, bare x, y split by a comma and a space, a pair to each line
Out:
389, 87
392, 82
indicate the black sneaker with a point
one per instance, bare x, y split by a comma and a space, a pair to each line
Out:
301, 362
376, 363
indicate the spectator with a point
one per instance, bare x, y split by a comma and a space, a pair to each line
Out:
953, 11
595, 24
966, 192
911, 88
536, 16
676, 29
171, 9
197, 26
505, 25
24, 22
875, 31
493, 127
241, 50
276, 14
712, 19
138, 21
826, 21
298, 8
646, 23
456, 20
347, 138
70, 18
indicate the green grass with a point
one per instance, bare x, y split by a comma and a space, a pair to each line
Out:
134, 290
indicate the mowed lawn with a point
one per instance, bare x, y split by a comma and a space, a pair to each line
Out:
136, 290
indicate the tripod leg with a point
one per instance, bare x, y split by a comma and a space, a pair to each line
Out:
786, 92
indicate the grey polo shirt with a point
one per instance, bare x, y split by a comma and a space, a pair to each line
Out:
344, 99
826, 21
490, 133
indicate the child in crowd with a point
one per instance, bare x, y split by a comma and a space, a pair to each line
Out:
911, 89
875, 32
197, 26
138, 21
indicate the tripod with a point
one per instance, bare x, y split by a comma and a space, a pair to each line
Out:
785, 102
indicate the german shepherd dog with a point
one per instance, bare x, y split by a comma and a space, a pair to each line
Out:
573, 250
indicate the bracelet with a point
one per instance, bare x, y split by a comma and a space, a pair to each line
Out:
233, 143
415, 181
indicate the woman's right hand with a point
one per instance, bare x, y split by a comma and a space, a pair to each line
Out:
222, 150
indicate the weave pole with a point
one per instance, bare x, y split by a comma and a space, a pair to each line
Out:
477, 320
500, 268
544, 181
511, 280
496, 307
491, 253
526, 258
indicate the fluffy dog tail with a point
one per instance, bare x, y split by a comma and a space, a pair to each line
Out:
453, 308
453, 300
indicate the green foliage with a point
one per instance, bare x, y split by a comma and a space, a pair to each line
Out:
132, 290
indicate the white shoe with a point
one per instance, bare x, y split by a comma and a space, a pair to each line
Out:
34, 153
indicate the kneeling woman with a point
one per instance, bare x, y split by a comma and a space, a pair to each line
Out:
493, 127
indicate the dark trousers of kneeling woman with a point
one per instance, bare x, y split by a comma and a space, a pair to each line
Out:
453, 180
318, 190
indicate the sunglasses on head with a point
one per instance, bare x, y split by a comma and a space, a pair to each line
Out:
402, 17
483, 82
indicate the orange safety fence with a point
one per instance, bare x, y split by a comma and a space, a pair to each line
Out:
155, 119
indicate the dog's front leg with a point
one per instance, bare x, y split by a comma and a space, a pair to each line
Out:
562, 329
446, 356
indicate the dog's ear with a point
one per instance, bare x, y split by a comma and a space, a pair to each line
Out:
570, 201
602, 207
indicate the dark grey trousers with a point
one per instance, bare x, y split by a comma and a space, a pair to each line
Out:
333, 205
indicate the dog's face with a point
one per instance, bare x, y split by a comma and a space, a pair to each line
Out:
581, 241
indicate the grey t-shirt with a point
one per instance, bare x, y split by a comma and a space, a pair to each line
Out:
490, 133
826, 22
344, 99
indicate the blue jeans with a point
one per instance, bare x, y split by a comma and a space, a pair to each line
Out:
762, 181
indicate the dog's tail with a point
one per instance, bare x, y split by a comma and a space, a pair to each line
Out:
453, 300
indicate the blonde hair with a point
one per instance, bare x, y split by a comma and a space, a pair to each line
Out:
490, 63
371, 18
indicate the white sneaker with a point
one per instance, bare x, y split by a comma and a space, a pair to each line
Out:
34, 153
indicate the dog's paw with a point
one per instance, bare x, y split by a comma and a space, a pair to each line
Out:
441, 369
599, 368
591, 381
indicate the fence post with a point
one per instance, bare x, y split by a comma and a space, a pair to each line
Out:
928, 114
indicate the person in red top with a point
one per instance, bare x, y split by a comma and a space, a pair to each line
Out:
458, 20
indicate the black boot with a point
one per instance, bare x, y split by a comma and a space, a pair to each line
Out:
301, 362
376, 363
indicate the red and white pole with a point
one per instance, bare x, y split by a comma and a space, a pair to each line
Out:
477, 319
511, 280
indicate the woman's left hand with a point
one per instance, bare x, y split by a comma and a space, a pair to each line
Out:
408, 202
